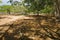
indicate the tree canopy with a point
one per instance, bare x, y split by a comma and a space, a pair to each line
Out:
38, 5
35, 6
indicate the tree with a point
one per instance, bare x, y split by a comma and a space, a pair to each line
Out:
37, 5
57, 7
5, 8
11, 1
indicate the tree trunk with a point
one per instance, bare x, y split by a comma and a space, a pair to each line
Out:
8, 11
57, 7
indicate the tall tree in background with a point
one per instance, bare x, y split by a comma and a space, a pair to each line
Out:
13, 4
37, 5
8, 10
11, 1
18, 6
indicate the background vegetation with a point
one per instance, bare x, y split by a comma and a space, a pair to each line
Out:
35, 6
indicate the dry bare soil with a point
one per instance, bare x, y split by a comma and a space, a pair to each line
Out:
31, 27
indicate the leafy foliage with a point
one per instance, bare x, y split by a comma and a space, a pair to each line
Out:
35, 6
4, 8
38, 5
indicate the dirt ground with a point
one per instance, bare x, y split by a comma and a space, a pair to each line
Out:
9, 19
29, 27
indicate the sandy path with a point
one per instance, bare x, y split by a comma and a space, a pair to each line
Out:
7, 20
10, 19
